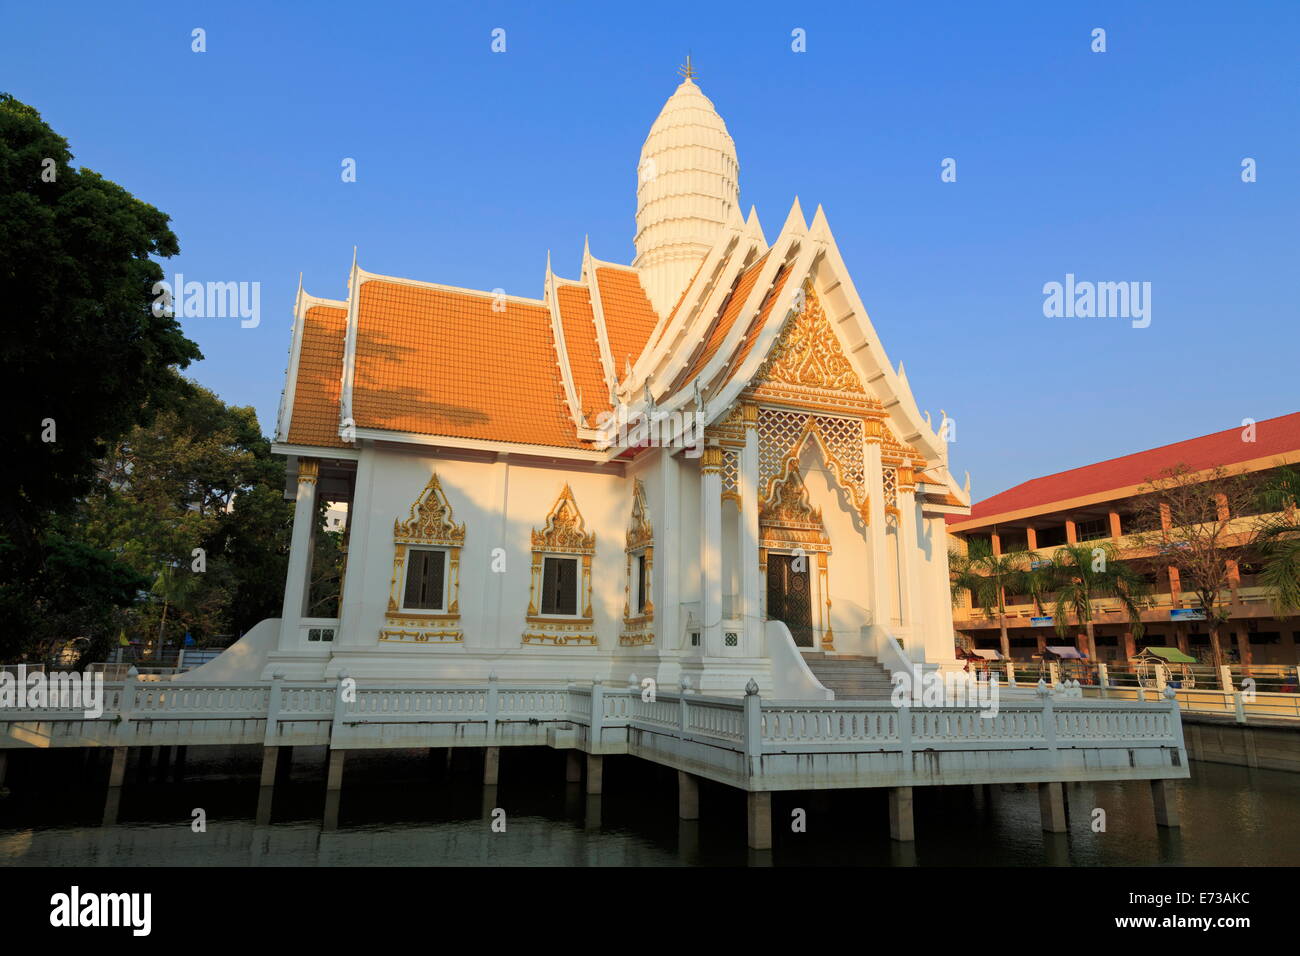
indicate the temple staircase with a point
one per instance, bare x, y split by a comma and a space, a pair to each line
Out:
851, 677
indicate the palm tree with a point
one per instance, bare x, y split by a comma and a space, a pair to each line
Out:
1279, 539
1083, 573
988, 578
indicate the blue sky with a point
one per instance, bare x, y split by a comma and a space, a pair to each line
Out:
1115, 166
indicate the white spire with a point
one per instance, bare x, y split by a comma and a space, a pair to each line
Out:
687, 191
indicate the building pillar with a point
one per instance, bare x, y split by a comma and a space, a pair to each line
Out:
1116, 527
334, 776
270, 760
298, 578
1071, 532
908, 553
117, 772
995, 542
1166, 803
688, 796
1180, 638
1031, 537
901, 827
1130, 645
1175, 586
877, 544
759, 807
1243, 650
491, 765
710, 548
572, 767
750, 582
595, 774
1051, 806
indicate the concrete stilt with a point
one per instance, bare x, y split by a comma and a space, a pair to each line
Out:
572, 767
265, 797
270, 760
1051, 805
164, 763
595, 773
117, 773
491, 766
688, 796
760, 819
143, 763
178, 765
1166, 801
4, 763
334, 778
901, 826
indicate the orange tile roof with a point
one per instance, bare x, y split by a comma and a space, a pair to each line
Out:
441, 362
723, 322
576, 318
629, 317
760, 321
314, 415
1273, 437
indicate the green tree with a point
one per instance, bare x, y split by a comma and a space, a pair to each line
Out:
84, 358
989, 578
194, 501
1081, 575
1279, 538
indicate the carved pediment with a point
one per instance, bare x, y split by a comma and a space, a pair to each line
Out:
565, 529
639, 532
431, 520
787, 516
807, 354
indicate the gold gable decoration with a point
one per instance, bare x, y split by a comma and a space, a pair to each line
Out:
806, 364
429, 523
430, 520
638, 628
565, 534
787, 518
565, 531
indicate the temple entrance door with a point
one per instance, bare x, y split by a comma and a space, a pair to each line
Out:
789, 596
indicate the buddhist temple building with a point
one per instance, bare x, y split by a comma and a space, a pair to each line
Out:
699, 466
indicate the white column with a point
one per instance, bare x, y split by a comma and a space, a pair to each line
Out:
748, 553
909, 570
877, 546
711, 547
299, 574
359, 594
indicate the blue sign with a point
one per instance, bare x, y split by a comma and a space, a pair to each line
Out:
1186, 614
189, 641
1041, 621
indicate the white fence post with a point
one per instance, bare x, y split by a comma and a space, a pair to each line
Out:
753, 720
1049, 717
597, 712
273, 710
125, 728
1054, 669
1225, 678
340, 708
1239, 705
1103, 678
1011, 674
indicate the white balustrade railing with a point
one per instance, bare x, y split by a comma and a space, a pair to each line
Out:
749, 725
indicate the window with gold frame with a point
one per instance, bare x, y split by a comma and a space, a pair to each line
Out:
429, 529
638, 606
563, 537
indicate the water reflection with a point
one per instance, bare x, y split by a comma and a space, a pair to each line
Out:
416, 809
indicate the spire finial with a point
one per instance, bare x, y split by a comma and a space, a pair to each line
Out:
686, 71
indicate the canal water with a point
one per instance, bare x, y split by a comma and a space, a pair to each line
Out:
411, 808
